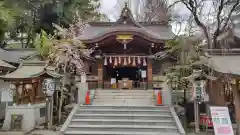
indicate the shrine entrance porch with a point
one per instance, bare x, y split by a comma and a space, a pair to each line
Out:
124, 77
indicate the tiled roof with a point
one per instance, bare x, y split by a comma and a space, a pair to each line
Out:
159, 32
15, 55
6, 65
223, 61
225, 64
126, 24
30, 69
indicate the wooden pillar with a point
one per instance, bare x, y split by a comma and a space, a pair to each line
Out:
100, 73
216, 92
16, 95
149, 73
236, 93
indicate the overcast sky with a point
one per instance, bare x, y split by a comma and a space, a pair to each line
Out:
108, 7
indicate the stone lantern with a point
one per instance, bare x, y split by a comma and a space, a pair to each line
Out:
49, 87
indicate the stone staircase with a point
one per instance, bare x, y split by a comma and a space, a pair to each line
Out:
124, 97
122, 112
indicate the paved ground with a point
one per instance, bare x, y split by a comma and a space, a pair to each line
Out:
46, 132
37, 132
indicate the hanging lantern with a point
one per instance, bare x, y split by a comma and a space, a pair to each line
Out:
105, 61
115, 62
144, 62
19, 90
129, 59
12, 86
134, 61
119, 60
125, 61
110, 60
49, 86
28, 86
139, 60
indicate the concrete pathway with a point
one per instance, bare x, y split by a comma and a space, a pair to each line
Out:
48, 132
36, 132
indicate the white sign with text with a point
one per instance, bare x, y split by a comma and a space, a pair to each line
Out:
221, 121
144, 73
7, 96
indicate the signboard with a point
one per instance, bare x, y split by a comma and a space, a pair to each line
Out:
199, 90
144, 73
124, 37
221, 121
6, 96
113, 81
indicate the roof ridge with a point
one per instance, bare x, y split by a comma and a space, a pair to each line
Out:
34, 63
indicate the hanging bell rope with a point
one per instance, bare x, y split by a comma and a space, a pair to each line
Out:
139, 61
115, 62
129, 60
125, 61
134, 61
144, 62
105, 61
110, 60
119, 60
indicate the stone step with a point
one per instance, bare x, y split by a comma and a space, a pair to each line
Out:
123, 116
153, 107
123, 112
124, 97
119, 99
122, 122
117, 133
122, 104
125, 93
121, 109
125, 102
123, 128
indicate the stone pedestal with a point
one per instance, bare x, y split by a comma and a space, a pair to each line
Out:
31, 116
82, 91
166, 94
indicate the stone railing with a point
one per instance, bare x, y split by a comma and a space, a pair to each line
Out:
68, 120
178, 122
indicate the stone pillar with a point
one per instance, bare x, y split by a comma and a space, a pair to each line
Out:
166, 94
149, 74
100, 73
82, 90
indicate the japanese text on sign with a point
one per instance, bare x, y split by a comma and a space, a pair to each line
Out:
221, 121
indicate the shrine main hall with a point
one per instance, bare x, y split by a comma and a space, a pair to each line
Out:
129, 54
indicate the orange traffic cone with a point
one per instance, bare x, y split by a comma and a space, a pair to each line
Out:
87, 98
159, 98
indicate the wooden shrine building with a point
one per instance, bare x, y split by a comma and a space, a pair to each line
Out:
126, 51
26, 82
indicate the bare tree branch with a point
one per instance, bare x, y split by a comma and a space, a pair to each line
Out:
230, 15
192, 5
173, 4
